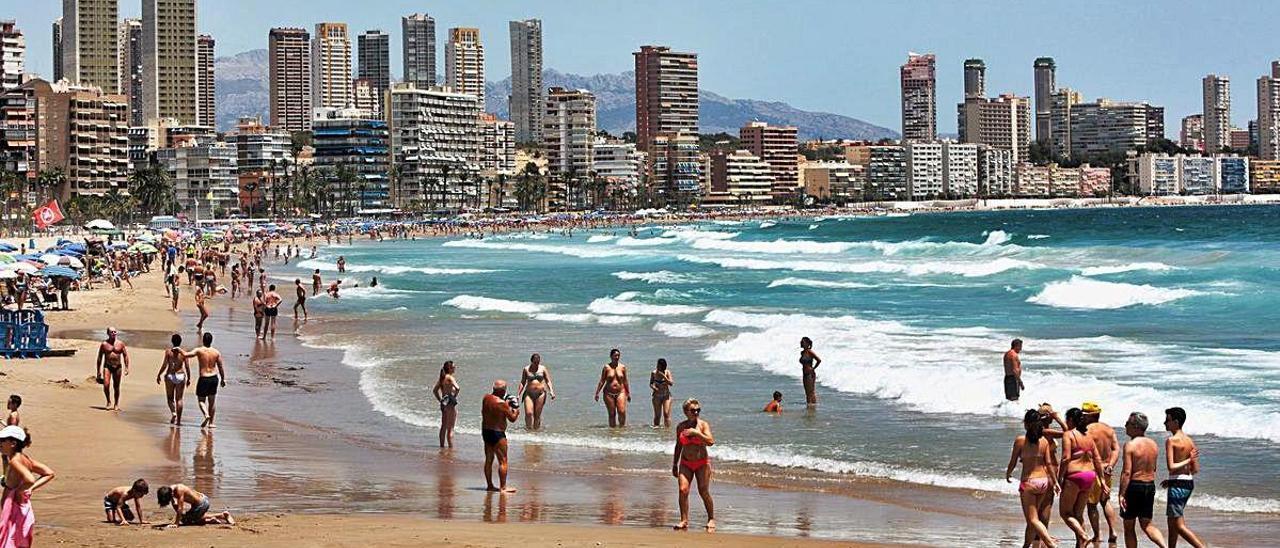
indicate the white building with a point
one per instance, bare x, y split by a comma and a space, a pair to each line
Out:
497, 146
619, 164
331, 66
995, 171
13, 49
204, 178
1166, 175
435, 139
568, 138
740, 177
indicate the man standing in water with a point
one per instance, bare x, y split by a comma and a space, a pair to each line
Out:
302, 299
1013, 386
212, 377
315, 283
1183, 460
496, 411
1104, 438
614, 383
1137, 482
271, 309
112, 354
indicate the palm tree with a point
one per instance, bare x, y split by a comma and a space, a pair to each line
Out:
444, 185
48, 181
154, 190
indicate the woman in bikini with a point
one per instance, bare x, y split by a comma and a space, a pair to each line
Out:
446, 392
1081, 468
614, 383
176, 372
690, 462
535, 386
204, 309
809, 363
660, 382
1038, 473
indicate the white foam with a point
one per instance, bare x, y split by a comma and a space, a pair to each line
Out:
624, 305
311, 264
966, 269
768, 224
996, 237
1129, 267
683, 330
802, 282
775, 246
601, 238
592, 252
1037, 236
812, 227
659, 277
1089, 294
381, 292
486, 304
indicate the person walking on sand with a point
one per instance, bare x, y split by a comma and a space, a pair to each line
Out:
175, 371
22, 477
535, 387
302, 299
113, 357
1137, 482
1035, 453
202, 307
174, 282
809, 362
446, 392
497, 409
690, 462
1013, 386
270, 310
614, 383
1104, 438
1182, 458
660, 382
1081, 468
212, 377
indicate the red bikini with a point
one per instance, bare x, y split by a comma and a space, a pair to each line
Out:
692, 465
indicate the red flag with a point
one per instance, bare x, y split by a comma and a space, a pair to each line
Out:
48, 214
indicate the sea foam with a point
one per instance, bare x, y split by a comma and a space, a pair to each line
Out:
1088, 294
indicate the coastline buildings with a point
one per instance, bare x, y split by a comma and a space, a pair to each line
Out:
57, 49
837, 182
418, 43
1191, 135
169, 81
289, 53
351, 154
919, 98
13, 51
1172, 175
263, 156
568, 137
941, 170
525, 103
435, 143
740, 177
77, 129
975, 78
1264, 176
331, 66
464, 62
89, 35
667, 120
995, 172
204, 177
374, 66
620, 166
776, 146
497, 146
1217, 113
1269, 114
205, 82
1045, 84
130, 46
1082, 130
1003, 122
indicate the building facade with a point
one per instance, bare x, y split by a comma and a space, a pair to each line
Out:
374, 66
837, 182
89, 35
170, 84
1191, 135
887, 173
620, 165
331, 66
351, 154
675, 168
263, 158
1106, 126
995, 172
205, 178
1217, 112
1045, 86
13, 53
1269, 114
464, 62
130, 56
207, 105
1171, 175
79, 130
666, 94
919, 98
975, 78
497, 146
57, 49
776, 145
568, 138
1264, 176
289, 57
1003, 122
435, 139
740, 177
418, 53
526, 79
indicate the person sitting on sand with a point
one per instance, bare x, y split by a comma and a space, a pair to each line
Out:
690, 461
15, 401
116, 503
497, 409
179, 496
774, 405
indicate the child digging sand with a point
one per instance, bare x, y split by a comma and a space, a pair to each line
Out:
116, 503
197, 504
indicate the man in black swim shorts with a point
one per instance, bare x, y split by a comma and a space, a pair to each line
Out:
497, 410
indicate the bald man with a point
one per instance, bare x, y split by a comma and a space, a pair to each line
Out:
496, 411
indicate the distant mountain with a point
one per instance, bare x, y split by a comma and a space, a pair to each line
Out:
242, 90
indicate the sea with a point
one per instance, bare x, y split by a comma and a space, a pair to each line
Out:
1136, 309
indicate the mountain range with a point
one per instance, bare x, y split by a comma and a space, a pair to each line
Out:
242, 90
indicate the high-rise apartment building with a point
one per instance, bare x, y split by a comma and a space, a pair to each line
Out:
526, 78
887, 173
57, 49
995, 172
1217, 112
1003, 122
354, 140
620, 165
568, 138
289, 56
365, 97
919, 98
1061, 103
741, 178
975, 78
79, 130
1082, 130
1269, 114
1171, 175
776, 145
675, 167
204, 176
89, 29
1045, 86
497, 146
207, 108
331, 66
130, 54
666, 93
464, 62
374, 54
13, 52
418, 43
170, 85
1191, 134
262, 158
435, 143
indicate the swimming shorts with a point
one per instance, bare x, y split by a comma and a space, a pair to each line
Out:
109, 505
195, 514
1011, 389
207, 386
271, 311
1179, 493
1139, 500
1095, 492
492, 437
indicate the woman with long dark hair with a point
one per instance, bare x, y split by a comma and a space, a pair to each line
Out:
660, 382
1037, 482
446, 392
809, 362
1081, 469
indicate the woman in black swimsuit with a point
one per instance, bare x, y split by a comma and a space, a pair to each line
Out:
535, 385
809, 363
446, 392
660, 382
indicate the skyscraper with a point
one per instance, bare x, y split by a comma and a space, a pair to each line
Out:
13, 51
1269, 114
1191, 135
89, 43
1002, 122
289, 53
208, 113
57, 49
975, 78
331, 66
919, 98
526, 79
568, 133
374, 54
1045, 75
418, 40
464, 62
1217, 113
130, 47
776, 146
666, 93
169, 84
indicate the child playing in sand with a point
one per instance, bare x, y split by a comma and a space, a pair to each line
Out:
15, 401
197, 503
116, 503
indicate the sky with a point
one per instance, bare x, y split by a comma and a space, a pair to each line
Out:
832, 56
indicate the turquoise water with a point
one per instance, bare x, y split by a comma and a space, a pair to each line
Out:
1136, 309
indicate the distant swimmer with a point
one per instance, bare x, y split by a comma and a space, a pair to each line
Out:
374, 282
1104, 438
1137, 482
691, 462
496, 411
333, 288
1037, 484
446, 392
614, 384
535, 387
342, 264
775, 404
809, 362
660, 382
1183, 460
1013, 386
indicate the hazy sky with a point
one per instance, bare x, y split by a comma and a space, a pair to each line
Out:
836, 56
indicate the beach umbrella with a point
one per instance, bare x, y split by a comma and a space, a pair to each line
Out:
143, 247
8, 275
60, 272
147, 237
7, 247
100, 224
7, 259
71, 262
21, 267
50, 258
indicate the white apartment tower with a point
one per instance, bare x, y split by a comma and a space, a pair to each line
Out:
13, 50
464, 62
526, 78
1269, 114
331, 66
1217, 113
